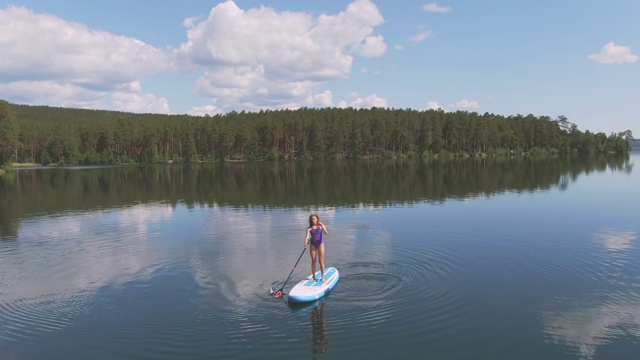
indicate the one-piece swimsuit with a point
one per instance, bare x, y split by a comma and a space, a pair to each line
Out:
316, 237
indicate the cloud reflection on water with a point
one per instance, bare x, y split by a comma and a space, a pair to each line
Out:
256, 250
586, 327
589, 326
613, 239
253, 250
60, 263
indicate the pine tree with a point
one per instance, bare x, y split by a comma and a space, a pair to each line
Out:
8, 133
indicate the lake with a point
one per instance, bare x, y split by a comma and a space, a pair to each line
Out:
519, 258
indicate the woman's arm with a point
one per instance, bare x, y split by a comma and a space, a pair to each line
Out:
306, 238
324, 228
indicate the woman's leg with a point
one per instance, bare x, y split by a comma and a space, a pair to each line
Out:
321, 260
314, 253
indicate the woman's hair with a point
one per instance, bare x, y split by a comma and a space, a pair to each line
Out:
311, 217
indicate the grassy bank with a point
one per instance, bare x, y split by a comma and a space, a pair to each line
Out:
15, 165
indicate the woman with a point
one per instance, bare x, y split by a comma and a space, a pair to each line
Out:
314, 238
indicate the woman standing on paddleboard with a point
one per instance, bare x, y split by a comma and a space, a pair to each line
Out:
314, 238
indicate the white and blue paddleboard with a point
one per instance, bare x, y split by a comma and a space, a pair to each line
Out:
311, 290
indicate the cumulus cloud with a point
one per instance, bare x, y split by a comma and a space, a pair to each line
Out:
612, 53
421, 37
61, 93
49, 60
433, 105
189, 22
434, 7
204, 110
466, 104
324, 99
130, 98
260, 58
373, 46
248, 59
358, 102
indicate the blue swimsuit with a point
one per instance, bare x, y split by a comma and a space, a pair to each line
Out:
316, 237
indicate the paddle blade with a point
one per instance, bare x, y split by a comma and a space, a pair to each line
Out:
278, 294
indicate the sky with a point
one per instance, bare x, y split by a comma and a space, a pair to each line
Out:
573, 58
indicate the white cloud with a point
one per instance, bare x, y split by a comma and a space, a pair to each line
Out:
434, 7
362, 103
373, 46
189, 22
49, 60
466, 104
130, 98
204, 110
251, 59
52, 92
250, 89
324, 99
612, 53
260, 58
399, 47
433, 105
421, 37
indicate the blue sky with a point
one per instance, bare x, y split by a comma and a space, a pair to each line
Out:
577, 58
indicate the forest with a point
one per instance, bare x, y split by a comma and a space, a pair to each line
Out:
65, 136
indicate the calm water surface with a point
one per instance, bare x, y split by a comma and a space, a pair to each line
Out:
525, 259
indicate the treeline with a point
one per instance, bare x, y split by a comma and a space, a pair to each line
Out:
47, 135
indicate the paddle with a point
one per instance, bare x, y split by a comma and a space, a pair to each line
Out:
279, 293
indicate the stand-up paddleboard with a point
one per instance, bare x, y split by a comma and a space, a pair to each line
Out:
311, 290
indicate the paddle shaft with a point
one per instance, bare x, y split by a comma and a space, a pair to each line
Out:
294, 267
